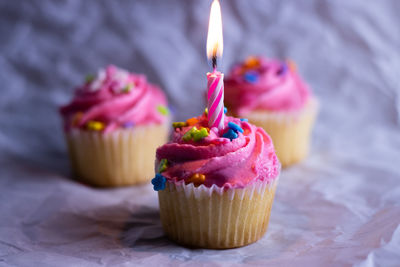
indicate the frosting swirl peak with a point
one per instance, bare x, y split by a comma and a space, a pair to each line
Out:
217, 160
115, 98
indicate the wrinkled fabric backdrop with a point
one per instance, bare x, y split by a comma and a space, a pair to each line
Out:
340, 207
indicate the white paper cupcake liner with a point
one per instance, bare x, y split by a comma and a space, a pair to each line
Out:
216, 217
290, 131
121, 157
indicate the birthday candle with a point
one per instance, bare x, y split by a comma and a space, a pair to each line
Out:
215, 99
215, 80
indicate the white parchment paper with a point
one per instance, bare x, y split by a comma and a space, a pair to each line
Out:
340, 207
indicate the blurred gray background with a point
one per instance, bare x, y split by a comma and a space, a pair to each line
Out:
348, 51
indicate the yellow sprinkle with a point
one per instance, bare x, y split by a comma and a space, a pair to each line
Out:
200, 134
163, 110
206, 111
95, 125
189, 134
128, 88
179, 124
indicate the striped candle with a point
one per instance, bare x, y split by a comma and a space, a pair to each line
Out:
215, 98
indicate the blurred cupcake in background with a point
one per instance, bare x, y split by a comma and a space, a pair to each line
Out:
113, 126
271, 94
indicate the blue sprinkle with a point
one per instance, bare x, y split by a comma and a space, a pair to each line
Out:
283, 69
244, 119
128, 124
231, 134
158, 182
235, 127
225, 110
251, 76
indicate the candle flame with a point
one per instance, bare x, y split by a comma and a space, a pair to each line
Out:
214, 37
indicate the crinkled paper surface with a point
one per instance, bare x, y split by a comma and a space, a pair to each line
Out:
340, 207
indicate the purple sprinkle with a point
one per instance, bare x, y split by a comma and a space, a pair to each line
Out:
283, 69
128, 124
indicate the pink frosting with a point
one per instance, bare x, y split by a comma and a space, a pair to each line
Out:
265, 84
225, 163
116, 98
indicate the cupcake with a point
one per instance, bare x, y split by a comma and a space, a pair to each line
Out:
113, 126
216, 187
271, 94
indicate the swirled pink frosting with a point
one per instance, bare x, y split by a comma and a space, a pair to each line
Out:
265, 84
115, 98
223, 162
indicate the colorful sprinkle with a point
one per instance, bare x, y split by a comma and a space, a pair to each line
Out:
200, 134
252, 62
158, 182
197, 179
189, 134
163, 110
163, 165
235, 127
292, 65
251, 76
283, 69
206, 111
127, 88
95, 125
179, 124
243, 119
192, 121
128, 124
89, 78
77, 118
231, 134
195, 134
225, 110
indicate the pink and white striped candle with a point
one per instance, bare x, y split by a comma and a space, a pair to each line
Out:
215, 98
215, 80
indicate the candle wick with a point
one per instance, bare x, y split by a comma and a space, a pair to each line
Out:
214, 62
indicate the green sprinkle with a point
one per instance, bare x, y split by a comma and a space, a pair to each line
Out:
127, 88
179, 124
200, 134
163, 110
89, 78
189, 134
195, 134
163, 165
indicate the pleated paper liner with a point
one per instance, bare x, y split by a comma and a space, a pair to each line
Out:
122, 157
216, 217
290, 131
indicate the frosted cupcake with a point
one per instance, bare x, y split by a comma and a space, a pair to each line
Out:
113, 126
271, 94
216, 188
